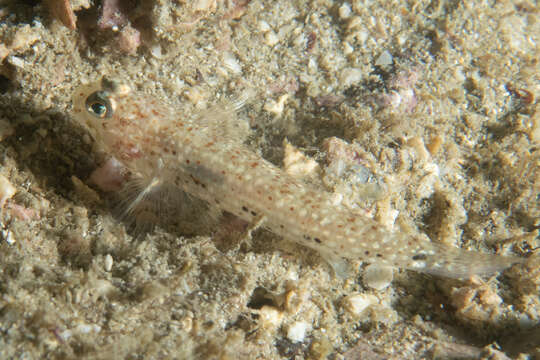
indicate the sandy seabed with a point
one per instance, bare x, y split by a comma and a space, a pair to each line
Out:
424, 114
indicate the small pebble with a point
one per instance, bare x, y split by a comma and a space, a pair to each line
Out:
263, 26
344, 11
476, 301
65, 335
16, 61
204, 5
385, 59
358, 303
434, 145
4, 52
347, 48
296, 163
6, 130
384, 315
129, 40
420, 152
7, 190
63, 12
378, 277
276, 107
8, 236
271, 38
156, 52
535, 128
350, 76
87, 328
195, 95
108, 262
111, 15
187, 323
23, 213
232, 63
24, 38
362, 36
270, 317
297, 331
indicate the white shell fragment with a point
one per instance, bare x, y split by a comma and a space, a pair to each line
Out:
108, 262
358, 303
276, 107
297, 163
384, 59
297, 331
231, 63
270, 317
8, 236
378, 276
344, 11
350, 76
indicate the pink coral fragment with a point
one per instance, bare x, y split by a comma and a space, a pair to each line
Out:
61, 10
24, 213
110, 176
129, 40
111, 15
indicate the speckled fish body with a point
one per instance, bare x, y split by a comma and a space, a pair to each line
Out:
201, 157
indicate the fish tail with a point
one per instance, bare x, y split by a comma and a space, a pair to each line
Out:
457, 263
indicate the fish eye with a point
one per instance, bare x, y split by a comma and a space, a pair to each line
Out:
99, 105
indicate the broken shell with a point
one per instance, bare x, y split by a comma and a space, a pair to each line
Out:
7, 190
62, 11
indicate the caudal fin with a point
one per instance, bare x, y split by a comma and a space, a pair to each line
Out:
461, 264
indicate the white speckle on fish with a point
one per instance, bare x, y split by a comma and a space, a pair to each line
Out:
202, 157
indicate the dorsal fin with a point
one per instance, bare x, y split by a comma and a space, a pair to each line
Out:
222, 122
